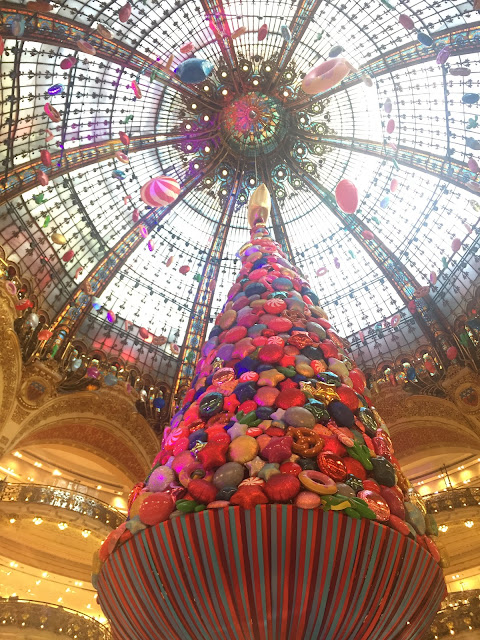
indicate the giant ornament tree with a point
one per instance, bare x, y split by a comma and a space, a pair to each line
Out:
276, 508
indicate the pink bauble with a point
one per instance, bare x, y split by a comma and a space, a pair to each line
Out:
136, 215
45, 157
156, 508
68, 255
473, 165
368, 235
122, 157
433, 277
42, 177
346, 195
184, 270
452, 353
390, 126
394, 185
406, 22
456, 244
159, 192
124, 138
125, 12
412, 307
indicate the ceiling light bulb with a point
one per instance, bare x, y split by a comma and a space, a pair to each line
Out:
56, 472
62, 526
207, 149
196, 166
224, 172
285, 93
206, 88
224, 74
443, 528
224, 92
206, 118
86, 533
255, 82
469, 524
194, 106
188, 127
189, 147
268, 68
245, 67
12, 520
37, 520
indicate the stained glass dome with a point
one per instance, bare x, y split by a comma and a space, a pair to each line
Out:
398, 127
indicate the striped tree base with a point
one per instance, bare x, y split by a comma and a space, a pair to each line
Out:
274, 573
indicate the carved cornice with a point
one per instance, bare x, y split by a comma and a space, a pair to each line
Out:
10, 357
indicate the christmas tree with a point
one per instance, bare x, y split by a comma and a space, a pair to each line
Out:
277, 414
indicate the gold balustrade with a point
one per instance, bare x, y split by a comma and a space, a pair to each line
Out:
452, 499
30, 614
59, 497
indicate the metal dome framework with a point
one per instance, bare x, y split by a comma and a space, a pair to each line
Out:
341, 134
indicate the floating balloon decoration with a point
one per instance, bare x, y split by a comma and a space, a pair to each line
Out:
2, 45
159, 341
169, 261
96, 303
321, 271
103, 31
158, 403
390, 126
421, 292
92, 372
394, 185
411, 306
406, 22
394, 320
86, 47
45, 334
24, 304
184, 269
259, 205
443, 55
68, 255
326, 75
346, 195
212, 284
452, 353
467, 227
194, 70
433, 277
336, 262
472, 144
385, 202
52, 113
68, 63
122, 157
48, 135
368, 235
459, 71
473, 165
188, 47
135, 215
239, 32
262, 32
335, 51
475, 186
125, 12
174, 348
126, 199
143, 232
150, 245
11, 288
286, 33
42, 177
120, 175
424, 39
78, 272
58, 238
352, 254
430, 366
55, 89
367, 80
144, 333
388, 106
17, 27
470, 98
111, 317
46, 158
136, 90
456, 244
160, 192
39, 198
124, 138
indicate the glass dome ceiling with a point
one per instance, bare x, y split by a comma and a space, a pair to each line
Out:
304, 146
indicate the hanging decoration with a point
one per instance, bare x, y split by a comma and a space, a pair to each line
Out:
326, 75
160, 192
346, 195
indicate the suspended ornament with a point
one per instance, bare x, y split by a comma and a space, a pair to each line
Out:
259, 205
406, 22
286, 33
174, 348
184, 269
135, 215
239, 32
467, 227
103, 31
125, 12
96, 303
32, 321
160, 192
361, 335
124, 138
444, 262
346, 195
385, 202
158, 403
443, 55
411, 373
48, 135
470, 98
473, 165
459, 71
262, 32
2, 45
411, 306
424, 39
86, 47
58, 238
17, 27
68, 63
321, 271
194, 70
39, 198
110, 380
326, 75
367, 80
188, 47
47, 221
456, 244
351, 253
24, 304
433, 277
42, 177
111, 317
388, 106
92, 372
68, 255
120, 175
169, 261
421, 292
143, 333
55, 89
10, 288
335, 51
472, 144
394, 185
430, 366
390, 126
143, 232
368, 235
52, 113
126, 199
336, 262
122, 157
45, 334
45, 157
159, 341
150, 245
197, 277
452, 353
394, 320
474, 186
78, 272
212, 284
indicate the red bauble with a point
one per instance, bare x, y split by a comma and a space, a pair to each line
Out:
355, 467
156, 508
282, 487
291, 468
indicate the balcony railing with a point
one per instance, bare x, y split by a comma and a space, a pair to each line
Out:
452, 499
460, 612
29, 614
63, 499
